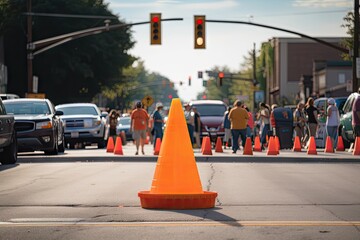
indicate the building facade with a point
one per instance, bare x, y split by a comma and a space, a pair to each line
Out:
293, 65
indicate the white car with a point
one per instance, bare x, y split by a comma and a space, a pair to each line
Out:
84, 123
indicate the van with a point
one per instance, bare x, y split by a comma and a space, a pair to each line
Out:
5, 96
211, 117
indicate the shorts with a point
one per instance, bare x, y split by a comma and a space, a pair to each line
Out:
137, 134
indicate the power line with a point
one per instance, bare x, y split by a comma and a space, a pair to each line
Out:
68, 15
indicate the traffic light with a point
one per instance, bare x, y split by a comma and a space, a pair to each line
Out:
199, 33
200, 74
189, 80
221, 76
155, 28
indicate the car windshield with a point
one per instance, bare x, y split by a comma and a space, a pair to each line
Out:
27, 108
88, 110
211, 110
124, 121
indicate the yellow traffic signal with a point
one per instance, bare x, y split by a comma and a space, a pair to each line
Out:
155, 28
199, 31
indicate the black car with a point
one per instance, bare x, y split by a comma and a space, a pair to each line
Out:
37, 124
8, 144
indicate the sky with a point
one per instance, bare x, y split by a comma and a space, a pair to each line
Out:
226, 44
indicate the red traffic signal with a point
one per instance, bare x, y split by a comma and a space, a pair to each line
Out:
221, 75
155, 28
199, 32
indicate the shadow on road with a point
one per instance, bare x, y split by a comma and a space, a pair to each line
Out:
8, 166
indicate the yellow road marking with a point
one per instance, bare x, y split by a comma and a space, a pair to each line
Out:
187, 224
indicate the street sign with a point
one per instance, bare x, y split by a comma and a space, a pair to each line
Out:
147, 101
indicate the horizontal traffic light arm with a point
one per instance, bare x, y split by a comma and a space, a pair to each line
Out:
48, 43
341, 49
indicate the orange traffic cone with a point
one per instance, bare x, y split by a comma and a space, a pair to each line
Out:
207, 147
118, 146
110, 144
297, 144
218, 146
340, 144
147, 139
176, 183
248, 147
277, 144
203, 144
157, 146
357, 146
329, 145
312, 146
272, 147
257, 145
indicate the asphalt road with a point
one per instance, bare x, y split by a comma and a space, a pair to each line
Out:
75, 198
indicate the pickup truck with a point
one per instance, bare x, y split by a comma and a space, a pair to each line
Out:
8, 143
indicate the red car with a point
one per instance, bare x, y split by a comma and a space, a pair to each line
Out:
211, 117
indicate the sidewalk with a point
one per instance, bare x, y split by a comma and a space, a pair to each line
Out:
92, 153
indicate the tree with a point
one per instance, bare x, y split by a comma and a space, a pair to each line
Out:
348, 42
74, 71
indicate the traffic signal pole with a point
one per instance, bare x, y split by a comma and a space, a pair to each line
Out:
43, 45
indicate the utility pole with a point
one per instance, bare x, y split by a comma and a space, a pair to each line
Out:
29, 49
355, 82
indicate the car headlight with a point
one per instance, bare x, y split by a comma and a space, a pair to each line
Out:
44, 125
97, 122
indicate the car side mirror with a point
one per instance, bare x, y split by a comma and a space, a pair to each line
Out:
59, 113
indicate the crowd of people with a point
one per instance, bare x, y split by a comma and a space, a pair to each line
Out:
239, 123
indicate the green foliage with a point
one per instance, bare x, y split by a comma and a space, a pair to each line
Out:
138, 83
349, 25
76, 70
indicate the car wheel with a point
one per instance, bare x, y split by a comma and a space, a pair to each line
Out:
101, 144
55, 150
342, 134
62, 145
9, 155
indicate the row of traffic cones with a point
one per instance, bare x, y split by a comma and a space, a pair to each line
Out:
117, 147
274, 146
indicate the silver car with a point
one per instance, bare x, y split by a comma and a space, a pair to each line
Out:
84, 124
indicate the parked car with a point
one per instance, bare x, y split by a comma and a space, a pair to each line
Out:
321, 104
211, 117
124, 125
345, 128
37, 124
5, 96
8, 143
84, 124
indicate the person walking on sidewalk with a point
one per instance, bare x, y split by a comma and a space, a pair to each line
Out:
158, 122
226, 124
138, 126
238, 117
332, 121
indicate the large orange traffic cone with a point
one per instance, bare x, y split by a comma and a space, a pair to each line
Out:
218, 146
340, 144
312, 146
118, 146
272, 147
176, 183
257, 144
157, 146
110, 145
329, 148
357, 146
248, 147
207, 147
297, 144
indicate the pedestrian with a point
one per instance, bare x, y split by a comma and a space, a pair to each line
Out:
189, 116
264, 116
356, 116
238, 117
272, 119
112, 121
250, 124
138, 126
197, 126
332, 121
226, 124
312, 116
299, 123
158, 122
